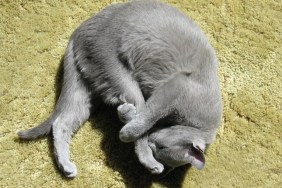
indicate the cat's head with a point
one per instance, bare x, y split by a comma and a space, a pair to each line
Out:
179, 145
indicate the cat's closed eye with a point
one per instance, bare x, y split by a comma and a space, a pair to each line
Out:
161, 147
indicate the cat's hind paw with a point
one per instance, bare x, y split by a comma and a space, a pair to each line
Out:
69, 169
126, 112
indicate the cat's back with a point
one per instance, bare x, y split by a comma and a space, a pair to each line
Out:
150, 37
160, 32
156, 23
158, 40
124, 24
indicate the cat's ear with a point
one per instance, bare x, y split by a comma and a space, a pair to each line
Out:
197, 152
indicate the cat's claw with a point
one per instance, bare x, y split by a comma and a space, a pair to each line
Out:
126, 112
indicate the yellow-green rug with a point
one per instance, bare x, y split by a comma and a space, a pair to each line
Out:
247, 153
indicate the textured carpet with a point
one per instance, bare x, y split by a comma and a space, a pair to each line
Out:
247, 153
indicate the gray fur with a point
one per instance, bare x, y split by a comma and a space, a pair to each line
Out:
154, 63
126, 113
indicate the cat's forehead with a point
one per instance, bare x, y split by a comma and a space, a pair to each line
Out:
180, 136
171, 136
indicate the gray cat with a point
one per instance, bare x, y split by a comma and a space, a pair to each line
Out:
156, 66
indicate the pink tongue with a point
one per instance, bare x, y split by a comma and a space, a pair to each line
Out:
197, 163
198, 158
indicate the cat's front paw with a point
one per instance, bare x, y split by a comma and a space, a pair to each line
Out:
151, 164
132, 130
157, 169
126, 112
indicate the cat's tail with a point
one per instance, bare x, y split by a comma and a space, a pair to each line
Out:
45, 127
41, 130
65, 97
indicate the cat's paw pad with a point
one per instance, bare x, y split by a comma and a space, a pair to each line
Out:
126, 112
69, 169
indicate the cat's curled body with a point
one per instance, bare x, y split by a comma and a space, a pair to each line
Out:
152, 56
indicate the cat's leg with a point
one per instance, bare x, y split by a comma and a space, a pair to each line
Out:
159, 105
129, 94
118, 87
73, 115
145, 155
126, 113
72, 110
